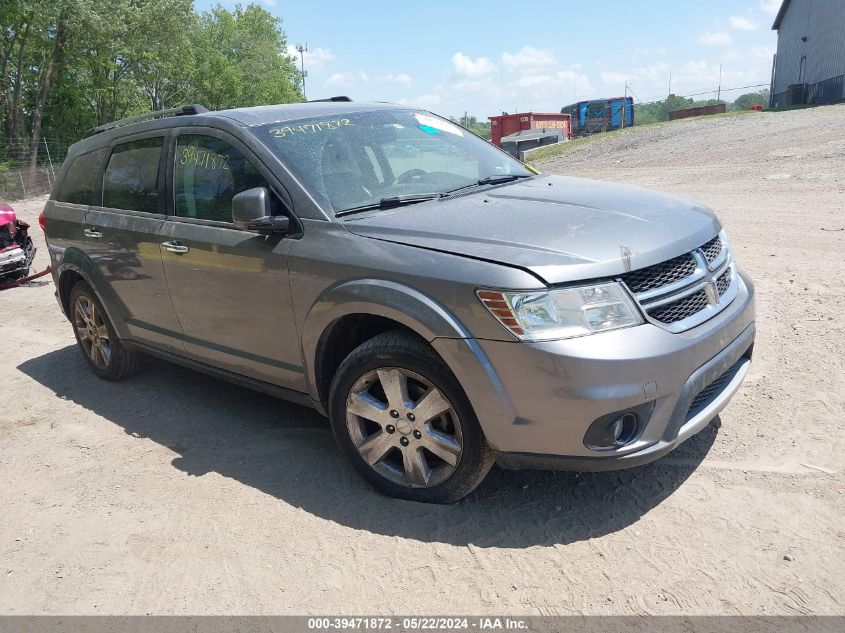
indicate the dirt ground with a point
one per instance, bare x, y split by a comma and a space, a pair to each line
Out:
175, 493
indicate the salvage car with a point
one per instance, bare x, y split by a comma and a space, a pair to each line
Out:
448, 308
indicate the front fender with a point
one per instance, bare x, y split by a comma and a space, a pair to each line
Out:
421, 314
381, 298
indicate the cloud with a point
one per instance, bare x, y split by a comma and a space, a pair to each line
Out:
531, 81
612, 77
742, 24
401, 78
529, 57
770, 6
472, 86
657, 70
427, 102
640, 53
467, 67
539, 86
762, 53
716, 39
348, 79
360, 77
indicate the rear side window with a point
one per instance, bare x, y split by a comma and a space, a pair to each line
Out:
208, 174
132, 176
81, 178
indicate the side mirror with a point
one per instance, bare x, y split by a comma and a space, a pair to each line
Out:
251, 212
250, 205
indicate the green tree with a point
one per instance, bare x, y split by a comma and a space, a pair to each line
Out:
479, 128
67, 65
162, 64
744, 102
657, 111
104, 72
19, 23
33, 42
241, 59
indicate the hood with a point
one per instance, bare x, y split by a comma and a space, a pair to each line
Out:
558, 228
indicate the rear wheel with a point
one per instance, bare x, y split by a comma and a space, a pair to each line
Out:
403, 420
105, 353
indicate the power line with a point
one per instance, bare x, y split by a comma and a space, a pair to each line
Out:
703, 92
628, 86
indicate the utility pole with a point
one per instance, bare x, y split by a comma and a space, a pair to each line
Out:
302, 49
669, 94
719, 92
624, 109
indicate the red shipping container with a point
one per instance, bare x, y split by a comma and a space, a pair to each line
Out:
507, 124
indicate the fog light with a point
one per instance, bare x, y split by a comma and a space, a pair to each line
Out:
617, 429
624, 428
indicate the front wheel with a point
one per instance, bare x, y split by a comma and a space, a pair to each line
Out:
403, 420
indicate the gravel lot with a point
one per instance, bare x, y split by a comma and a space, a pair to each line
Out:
176, 493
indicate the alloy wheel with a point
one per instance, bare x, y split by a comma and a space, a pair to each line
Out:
92, 330
404, 427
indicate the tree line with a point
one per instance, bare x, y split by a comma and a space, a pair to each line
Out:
69, 65
656, 111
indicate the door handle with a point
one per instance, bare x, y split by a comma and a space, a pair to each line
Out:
175, 247
92, 233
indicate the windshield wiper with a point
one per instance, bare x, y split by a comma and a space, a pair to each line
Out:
496, 179
392, 202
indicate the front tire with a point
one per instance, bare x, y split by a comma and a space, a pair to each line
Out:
404, 422
96, 337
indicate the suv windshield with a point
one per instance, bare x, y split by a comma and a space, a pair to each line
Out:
358, 160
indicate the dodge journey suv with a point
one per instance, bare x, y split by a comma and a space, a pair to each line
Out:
446, 306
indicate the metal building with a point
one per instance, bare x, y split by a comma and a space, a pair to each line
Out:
809, 66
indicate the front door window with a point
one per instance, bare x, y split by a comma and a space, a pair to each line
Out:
208, 174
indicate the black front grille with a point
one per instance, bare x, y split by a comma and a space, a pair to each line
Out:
723, 282
712, 249
680, 309
706, 395
660, 274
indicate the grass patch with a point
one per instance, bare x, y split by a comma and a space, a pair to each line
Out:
554, 151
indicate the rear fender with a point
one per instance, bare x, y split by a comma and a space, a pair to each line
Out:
73, 259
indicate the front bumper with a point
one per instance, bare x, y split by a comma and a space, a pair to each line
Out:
536, 401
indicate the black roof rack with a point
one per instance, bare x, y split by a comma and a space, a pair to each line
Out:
194, 108
341, 98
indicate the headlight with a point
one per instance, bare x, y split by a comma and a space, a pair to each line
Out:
565, 313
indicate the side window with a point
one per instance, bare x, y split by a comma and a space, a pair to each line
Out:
81, 178
132, 176
208, 174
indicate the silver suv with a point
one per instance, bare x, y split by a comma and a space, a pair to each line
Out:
446, 306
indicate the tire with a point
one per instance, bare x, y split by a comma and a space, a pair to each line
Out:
437, 458
105, 353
